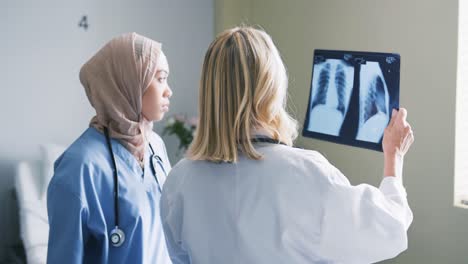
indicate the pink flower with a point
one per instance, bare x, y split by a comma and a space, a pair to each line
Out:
179, 117
193, 121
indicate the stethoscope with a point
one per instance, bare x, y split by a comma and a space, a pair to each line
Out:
117, 235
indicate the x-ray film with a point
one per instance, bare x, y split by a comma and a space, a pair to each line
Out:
352, 95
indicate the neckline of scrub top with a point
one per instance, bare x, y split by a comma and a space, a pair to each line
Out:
124, 154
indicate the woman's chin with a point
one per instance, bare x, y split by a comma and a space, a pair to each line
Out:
159, 117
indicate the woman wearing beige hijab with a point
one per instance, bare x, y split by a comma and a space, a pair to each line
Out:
103, 200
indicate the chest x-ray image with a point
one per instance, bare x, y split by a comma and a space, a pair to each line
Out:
351, 97
333, 80
373, 103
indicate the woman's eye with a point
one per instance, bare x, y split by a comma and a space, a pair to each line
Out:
162, 79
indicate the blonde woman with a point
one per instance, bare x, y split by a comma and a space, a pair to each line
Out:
103, 200
245, 195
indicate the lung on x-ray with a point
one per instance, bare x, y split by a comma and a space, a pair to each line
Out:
352, 95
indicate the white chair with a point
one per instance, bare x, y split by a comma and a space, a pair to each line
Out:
31, 184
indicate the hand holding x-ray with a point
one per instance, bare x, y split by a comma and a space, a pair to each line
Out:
398, 135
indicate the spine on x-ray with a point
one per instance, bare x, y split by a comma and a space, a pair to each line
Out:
340, 84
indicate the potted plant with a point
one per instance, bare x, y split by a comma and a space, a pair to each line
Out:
183, 128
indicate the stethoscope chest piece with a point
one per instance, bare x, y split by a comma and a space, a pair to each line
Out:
117, 237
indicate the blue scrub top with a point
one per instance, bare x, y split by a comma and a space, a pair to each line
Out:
80, 204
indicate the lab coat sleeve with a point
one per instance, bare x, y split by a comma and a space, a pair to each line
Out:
67, 221
364, 224
171, 217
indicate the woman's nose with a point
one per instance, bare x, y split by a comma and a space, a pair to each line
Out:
168, 92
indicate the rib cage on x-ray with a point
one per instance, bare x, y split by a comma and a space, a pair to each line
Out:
375, 100
322, 89
374, 103
324, 83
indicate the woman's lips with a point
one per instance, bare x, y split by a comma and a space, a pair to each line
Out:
165, 107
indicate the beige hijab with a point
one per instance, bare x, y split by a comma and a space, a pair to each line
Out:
115, 79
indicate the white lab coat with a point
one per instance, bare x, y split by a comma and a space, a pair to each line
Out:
291, 207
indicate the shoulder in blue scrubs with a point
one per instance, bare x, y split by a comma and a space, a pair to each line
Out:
81, 205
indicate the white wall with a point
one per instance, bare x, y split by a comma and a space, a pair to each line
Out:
424, 32
41, 51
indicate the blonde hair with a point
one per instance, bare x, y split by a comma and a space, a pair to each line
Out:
243, 87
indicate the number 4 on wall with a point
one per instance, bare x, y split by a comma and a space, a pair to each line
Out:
84, 23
